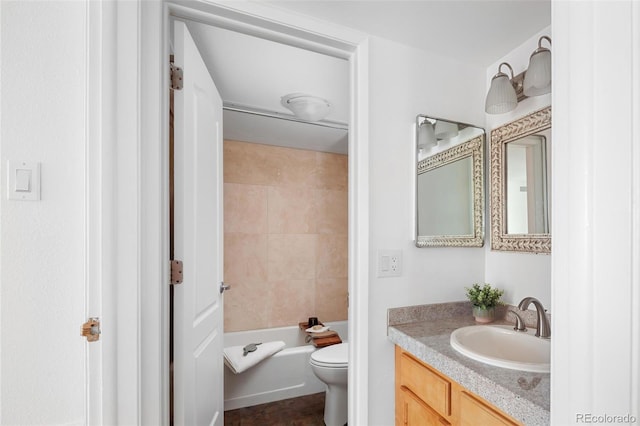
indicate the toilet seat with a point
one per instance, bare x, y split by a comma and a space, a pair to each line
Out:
334, 356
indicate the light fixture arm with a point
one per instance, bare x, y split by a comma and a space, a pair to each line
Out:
515, 82
500, 72
544, 38
540, 48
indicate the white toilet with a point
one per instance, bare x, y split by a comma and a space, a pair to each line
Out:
331, 365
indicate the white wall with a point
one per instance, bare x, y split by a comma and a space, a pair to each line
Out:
405, 82
596, 170
519, 274
42, 47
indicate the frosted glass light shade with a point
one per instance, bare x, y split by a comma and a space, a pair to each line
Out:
537, 79
426, 136
446, 130
306, 107
502, 96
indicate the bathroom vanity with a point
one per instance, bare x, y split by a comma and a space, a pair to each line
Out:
437, 385
425, 396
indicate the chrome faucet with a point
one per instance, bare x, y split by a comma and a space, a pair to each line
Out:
543, 328
520, 325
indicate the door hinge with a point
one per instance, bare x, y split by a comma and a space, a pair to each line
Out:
176, 76
176, 272
91, 329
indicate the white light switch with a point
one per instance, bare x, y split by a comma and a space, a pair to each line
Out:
23, 180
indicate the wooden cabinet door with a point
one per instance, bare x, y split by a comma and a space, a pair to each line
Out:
474, 412
413, 412
427, 385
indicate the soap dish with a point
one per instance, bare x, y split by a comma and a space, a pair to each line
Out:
317, 330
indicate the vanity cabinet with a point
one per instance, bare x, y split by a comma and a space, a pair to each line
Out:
424, 396
415, 411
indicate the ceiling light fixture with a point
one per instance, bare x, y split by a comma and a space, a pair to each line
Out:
306, 107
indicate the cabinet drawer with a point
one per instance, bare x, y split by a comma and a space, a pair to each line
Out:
429, 386
416, 413
474, 412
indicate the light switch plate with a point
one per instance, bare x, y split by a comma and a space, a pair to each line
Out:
23, 180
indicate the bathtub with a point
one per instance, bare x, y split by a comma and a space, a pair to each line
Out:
287, 374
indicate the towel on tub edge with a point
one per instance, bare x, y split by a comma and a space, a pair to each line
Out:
238, 363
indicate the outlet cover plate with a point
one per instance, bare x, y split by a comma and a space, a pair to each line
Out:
389, 263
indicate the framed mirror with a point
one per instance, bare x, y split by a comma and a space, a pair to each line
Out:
521, 184
449, 183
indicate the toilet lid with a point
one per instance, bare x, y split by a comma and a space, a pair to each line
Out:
332, 356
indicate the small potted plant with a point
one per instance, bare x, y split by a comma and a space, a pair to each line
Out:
484, 300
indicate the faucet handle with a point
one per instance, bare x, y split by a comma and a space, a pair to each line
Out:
520, 325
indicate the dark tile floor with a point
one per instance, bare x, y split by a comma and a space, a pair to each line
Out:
302, 411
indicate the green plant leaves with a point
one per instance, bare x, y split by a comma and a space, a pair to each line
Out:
484, 297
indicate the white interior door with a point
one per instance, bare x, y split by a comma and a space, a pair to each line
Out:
198, 316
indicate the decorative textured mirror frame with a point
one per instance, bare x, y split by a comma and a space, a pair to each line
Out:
475, 149
528, 125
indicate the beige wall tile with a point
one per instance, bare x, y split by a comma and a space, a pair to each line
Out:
290, 302
268, 165
296, 167
245, 258
245, 208
245, 307
291, 257
332, 171
332, 256
332, 211
285, 236
245, 163
331, 299
291, 210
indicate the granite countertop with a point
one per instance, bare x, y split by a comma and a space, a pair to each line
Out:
523, 395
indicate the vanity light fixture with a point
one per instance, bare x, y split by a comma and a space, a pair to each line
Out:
426, 135
537, 78
502, 93
446, 130
505, 93
306, 107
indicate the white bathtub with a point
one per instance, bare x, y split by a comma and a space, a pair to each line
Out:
287, 374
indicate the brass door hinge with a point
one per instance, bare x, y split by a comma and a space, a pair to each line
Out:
91, 330
176, 272
176, 76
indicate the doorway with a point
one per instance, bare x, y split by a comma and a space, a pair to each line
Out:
141, 391
285, 185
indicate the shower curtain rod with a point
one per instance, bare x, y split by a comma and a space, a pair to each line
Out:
280, 116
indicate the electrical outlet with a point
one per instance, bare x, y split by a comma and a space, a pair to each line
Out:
389, 263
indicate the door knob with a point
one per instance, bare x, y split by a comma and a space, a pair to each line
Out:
224, 287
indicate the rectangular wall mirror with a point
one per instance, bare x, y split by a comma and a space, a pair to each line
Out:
521, 184
449, 183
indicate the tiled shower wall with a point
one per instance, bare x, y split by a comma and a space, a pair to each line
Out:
285, 236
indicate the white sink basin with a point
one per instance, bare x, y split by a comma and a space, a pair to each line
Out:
502, 346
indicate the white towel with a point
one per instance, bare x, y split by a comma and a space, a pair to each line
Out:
238, 363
